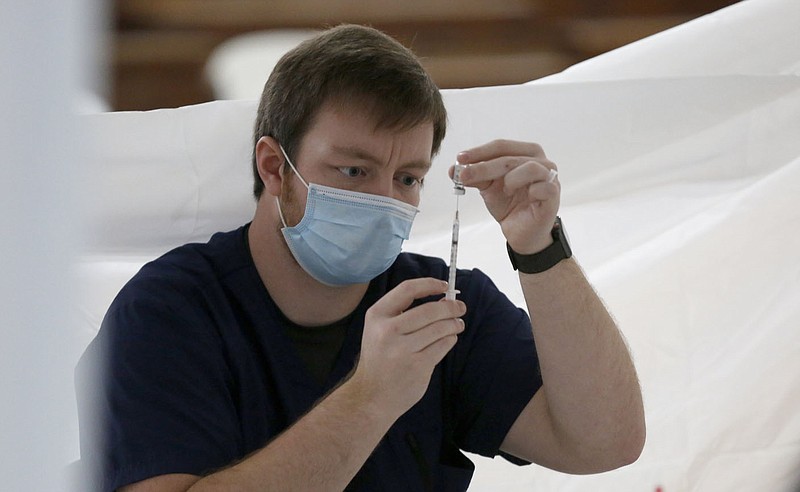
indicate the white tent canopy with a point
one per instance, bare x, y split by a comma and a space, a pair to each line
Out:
679, 158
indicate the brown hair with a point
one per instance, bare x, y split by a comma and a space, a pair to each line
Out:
352, 65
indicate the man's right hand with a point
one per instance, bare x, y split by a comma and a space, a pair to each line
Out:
400, 346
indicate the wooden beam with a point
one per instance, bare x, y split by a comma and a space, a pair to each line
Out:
462, 71
593, 36
164, 47
246, 14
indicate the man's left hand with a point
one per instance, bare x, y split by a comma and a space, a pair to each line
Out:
512, 179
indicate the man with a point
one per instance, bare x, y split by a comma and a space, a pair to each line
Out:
304, 352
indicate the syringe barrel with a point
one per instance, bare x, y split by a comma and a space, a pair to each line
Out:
451, 280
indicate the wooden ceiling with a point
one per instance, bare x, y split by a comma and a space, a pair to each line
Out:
160, 47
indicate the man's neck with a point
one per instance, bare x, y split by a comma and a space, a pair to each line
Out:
300, 297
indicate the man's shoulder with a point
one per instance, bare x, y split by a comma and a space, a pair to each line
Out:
414, 263
190, 267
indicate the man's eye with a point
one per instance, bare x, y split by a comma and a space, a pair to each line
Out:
352, 172
409, 180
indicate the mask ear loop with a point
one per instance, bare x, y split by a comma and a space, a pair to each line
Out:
292, 165
277, 200
280, 212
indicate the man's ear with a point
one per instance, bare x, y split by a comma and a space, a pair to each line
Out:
269, 161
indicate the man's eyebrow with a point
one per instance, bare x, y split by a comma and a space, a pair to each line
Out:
361, 154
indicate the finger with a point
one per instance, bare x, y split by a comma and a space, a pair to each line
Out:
422, 339
542, 192
401, 297
499, 148
478, 175
436, 351
531, 173
428, 313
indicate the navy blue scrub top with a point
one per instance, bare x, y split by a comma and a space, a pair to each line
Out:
196, 372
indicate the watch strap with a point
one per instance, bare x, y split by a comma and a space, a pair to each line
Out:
546, 258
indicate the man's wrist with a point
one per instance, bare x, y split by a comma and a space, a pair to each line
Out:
368, 401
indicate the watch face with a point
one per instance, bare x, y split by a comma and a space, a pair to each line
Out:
563, 238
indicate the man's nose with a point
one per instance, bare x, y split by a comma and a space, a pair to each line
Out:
384, 186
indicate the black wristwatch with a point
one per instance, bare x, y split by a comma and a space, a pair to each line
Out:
546, 258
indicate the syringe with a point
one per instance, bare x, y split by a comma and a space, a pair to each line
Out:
458, 190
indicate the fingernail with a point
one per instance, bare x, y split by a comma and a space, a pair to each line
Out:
462, 156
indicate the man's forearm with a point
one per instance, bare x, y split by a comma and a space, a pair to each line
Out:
321, 451
590, 383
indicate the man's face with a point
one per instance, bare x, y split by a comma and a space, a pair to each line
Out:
342, 149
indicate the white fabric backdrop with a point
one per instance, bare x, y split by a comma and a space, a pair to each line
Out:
679, 157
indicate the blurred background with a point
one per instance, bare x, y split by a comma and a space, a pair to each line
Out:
169, 53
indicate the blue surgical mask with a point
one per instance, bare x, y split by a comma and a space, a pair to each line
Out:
346, 237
